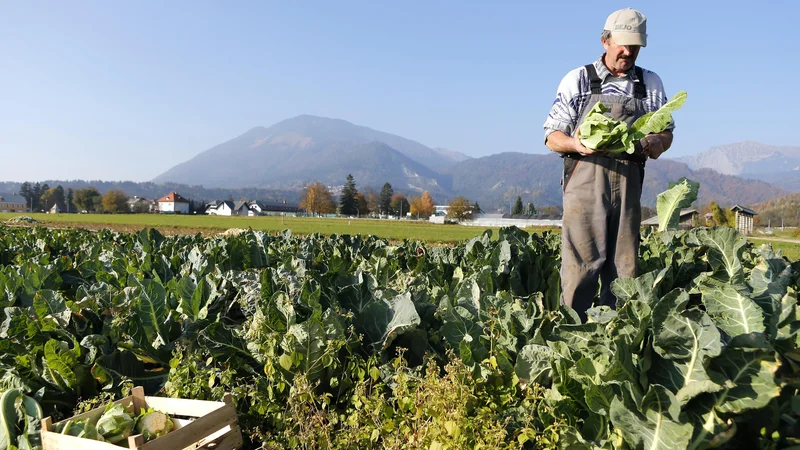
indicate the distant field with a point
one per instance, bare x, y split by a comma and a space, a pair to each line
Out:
790, 250
389, 229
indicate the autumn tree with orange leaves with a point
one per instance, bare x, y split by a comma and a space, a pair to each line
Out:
415, 204
317, 199
422, 206
428, 205
460, 208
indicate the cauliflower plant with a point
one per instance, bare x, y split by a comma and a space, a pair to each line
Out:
153, 424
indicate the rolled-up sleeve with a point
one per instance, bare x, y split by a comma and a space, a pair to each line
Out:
563, 114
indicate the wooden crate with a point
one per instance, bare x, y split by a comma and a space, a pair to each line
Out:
199, 424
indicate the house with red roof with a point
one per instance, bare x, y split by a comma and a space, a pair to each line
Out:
173, 203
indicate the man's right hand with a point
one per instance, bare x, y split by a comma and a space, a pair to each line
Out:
580, 148
561, 143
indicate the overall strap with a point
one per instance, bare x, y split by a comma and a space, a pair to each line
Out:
639, 88
594, 81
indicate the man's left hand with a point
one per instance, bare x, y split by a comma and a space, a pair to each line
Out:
653, 145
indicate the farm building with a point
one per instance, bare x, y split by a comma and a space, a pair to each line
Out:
227, 208
744, 219
689, 219
173, 203
517, 220
13, 203
247, 208
506, 220
141, 205
271, 209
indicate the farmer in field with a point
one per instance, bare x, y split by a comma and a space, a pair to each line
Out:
602, 191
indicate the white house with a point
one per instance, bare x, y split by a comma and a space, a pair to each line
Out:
173, 203
242, 208
256, 208
247, 208
229, 208
219, 208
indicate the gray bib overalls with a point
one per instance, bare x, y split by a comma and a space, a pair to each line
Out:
602, 209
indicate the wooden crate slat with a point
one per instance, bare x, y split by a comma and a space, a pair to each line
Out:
195, 431
135, 441
215, 436
138, 399
55, 441
180, 423
182, 406
230, 441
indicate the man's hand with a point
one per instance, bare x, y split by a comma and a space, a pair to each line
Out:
580, 148
562, 143
653, 145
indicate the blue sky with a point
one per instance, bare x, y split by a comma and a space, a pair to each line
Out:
125, 90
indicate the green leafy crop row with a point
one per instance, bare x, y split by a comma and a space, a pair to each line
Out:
349, 342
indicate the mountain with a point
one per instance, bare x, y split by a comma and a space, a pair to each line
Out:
776, 165
496, 180
371, 164
451, 155
307, 148
746, 158
722, 188
789, 181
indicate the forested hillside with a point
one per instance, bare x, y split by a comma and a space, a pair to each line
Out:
786, 209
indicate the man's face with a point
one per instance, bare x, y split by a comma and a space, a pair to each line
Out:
620, 58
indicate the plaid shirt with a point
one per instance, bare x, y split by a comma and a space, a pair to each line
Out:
574, 91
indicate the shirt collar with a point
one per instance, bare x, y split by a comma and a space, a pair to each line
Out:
603, 72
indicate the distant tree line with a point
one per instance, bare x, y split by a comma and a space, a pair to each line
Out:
317, 199
154, 191
519, 209
42, 198
782, 211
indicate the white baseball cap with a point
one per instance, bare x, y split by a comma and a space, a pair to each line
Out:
628, 27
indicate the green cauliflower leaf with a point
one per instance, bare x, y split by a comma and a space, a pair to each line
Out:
602, 133
116, 423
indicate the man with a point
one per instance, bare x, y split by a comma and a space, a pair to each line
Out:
602, 192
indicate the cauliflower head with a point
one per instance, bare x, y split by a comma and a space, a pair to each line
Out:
153, 424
